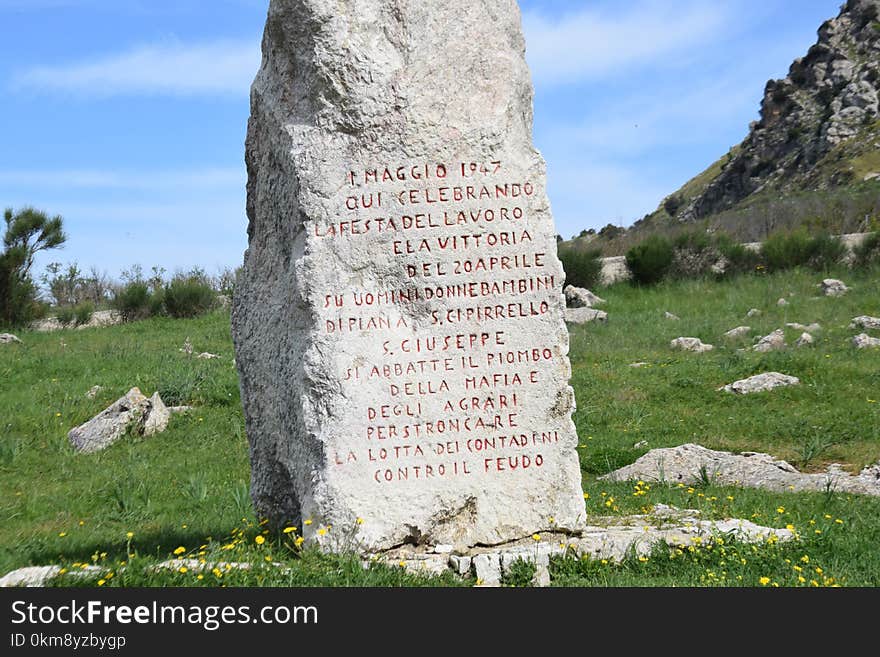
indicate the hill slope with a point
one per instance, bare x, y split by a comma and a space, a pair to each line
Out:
814, 153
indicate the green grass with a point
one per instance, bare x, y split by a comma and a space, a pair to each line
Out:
187, 487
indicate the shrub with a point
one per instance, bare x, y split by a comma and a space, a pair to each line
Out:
695, 255
83, 312
740, 260
798, 249
65, 315
583, 267
189, 295
867, 254
133, 301
650, 261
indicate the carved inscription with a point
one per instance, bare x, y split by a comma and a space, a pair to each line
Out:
449, 379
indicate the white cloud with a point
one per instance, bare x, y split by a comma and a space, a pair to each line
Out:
216, 68
593, 44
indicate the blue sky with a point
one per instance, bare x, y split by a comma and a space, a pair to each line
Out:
128, 117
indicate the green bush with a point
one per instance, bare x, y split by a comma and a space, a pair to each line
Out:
740, 260
798, 249
583, 267
66, 315
189, 295
867, 254
133, 301
83, 312
650, 261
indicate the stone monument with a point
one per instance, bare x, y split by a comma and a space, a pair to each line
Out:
398, 323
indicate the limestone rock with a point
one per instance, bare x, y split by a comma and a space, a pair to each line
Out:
669, 315
383, 138
804, 341
738, 332
99, 319
754, 312
8, 338
690, 344
689, 464
584, 315
865, 341
782, 302
187, 347
809, 328
639, 365
157, 416
487, 568
205, 355
831, 287
145, 416
772, 342
761, 383
94, 391
39, 576
579, 297
865, 322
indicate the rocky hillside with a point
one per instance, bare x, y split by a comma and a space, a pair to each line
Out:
818, 131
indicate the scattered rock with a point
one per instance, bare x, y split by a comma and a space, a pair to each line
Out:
738, 332
865, 341
187, 347
690, 464
690, 344
865, 322
157, 418
94, 391
641, 444
782, 302
8, 338
754, 312
207, 356
809, 328
579, 297
584, 315
804, 341
761, 383
639, 365
145, 415
99, 319
39, 576
669, 315
831, 287
772, 342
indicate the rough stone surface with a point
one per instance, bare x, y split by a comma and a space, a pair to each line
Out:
39, 576
669, 315
865, 322
400, 248
145, 415
805, 340
688, 464
585, 315
865, 341
738, 332
831, 287
761, 383
8, 338
579, 297
157, 417
809, 328
773, 342
690, 344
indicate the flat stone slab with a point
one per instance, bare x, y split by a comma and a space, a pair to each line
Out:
761, 383
694, 345
690, 464
584, 315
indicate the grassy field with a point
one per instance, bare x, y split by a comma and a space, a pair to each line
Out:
184, 492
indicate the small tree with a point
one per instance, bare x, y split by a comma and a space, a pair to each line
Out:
28, 232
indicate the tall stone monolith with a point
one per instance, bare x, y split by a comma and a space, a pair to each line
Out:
398, 323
